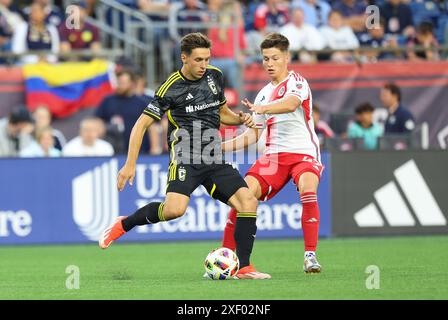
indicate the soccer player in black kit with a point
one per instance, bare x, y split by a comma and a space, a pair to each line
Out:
194, 100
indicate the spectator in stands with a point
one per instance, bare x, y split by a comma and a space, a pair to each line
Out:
82, 36
8, 21
339, 37
36, 35
364, 127
15, 133
141, 89
121, 110
321, 128
87, 144
53, 15
90, 8
399, 20
353, 13
6, 32
424, 38
193, 12
158, 10
154, 7
315, 11
269, 16
42, 119
43, 146
12, 18
302, 35
223, 51
375, 38
399, 120
190, 11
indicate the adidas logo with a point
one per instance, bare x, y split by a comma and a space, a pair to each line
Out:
189, 97
402, 203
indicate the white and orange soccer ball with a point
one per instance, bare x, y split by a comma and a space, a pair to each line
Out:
221, 264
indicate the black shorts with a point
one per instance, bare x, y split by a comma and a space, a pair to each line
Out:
222, 181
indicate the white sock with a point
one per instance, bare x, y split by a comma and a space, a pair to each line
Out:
308, 253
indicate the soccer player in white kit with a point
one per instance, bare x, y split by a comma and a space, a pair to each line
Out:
283, 108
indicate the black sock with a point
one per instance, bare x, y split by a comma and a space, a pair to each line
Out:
151, 213
245, 231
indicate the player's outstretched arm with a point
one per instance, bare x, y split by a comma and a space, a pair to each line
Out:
248, 137
127, 172
287, 104
228, 117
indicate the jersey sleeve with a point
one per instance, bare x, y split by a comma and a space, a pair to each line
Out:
222, 97
297, 87
157, 107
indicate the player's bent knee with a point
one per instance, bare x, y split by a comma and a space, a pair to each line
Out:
171, 212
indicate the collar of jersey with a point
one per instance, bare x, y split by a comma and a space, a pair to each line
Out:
186, 79
283, 80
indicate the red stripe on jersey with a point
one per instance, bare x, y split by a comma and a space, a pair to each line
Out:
269, 125
279, 91
296, 76
306, 107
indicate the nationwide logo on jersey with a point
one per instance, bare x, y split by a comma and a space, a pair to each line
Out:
212, 85
393, 205
95, 199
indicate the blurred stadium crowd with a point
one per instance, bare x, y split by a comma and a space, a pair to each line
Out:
319, 30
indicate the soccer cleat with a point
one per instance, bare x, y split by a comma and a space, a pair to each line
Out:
113, 232
310, 265
249, 272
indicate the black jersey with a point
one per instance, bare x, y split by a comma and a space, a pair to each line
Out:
193, 113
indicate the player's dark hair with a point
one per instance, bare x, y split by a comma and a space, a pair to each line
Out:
364, 107
394, 89
193, 41
275, 40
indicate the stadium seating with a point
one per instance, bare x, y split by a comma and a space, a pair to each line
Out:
343, 144
395, 142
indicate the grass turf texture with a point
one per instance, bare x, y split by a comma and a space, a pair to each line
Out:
410, 268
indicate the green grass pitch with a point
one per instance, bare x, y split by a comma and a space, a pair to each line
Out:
410, 268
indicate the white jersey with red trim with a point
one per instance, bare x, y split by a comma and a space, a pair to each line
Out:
294, 131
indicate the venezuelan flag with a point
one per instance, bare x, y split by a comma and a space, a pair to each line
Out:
67, 87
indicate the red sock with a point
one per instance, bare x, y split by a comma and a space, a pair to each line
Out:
229, 238
310, 220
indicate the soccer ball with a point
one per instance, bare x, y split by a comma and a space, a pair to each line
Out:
221, 264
